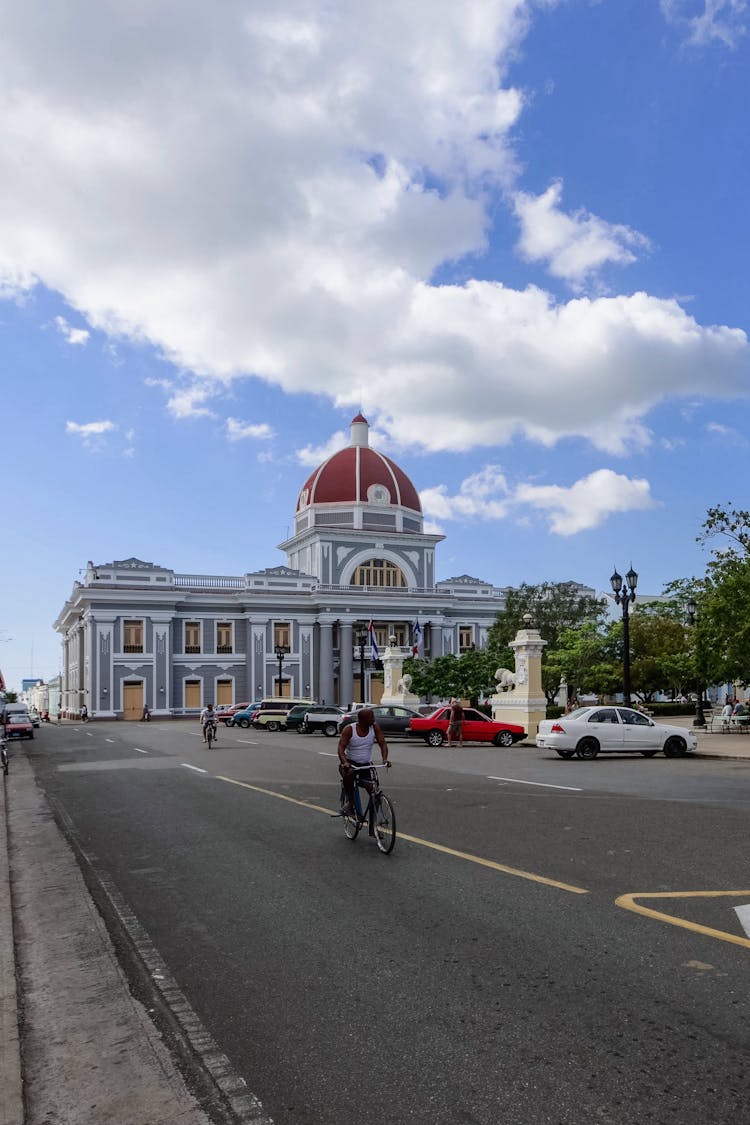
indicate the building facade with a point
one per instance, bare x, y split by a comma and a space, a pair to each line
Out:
138, 634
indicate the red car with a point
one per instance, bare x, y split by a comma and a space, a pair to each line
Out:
226, 715
18, 725
476, 728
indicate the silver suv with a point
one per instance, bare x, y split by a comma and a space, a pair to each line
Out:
322, 718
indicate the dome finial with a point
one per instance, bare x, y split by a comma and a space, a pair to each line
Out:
360, 431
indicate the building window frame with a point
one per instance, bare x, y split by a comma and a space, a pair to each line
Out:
133, 634
379, 573
282, 635
466, 638
192, 633
225, 638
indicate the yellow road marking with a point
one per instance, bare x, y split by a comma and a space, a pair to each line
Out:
517, 872
628, 902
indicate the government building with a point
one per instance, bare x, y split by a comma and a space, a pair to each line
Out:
359, 568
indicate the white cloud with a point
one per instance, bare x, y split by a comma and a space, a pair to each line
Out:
314, 455
583, 505
275, 186
574, 246
588, 502
727, 433
238, 431
91, 433
719, 21
72, 335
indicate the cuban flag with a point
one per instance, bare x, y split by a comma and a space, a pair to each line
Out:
373, 642
416, 639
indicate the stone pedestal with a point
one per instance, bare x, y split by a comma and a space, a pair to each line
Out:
525, 703
395, 691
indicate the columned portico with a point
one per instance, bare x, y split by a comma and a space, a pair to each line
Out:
346, 651
325, 671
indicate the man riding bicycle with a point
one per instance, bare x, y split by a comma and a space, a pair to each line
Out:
355, 749
208, 715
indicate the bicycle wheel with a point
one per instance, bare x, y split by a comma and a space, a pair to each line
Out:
4, 757
351, 821
385, 823
209, 734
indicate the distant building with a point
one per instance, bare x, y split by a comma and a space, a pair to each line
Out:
136, 633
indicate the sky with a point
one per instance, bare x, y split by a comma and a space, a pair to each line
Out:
512, 232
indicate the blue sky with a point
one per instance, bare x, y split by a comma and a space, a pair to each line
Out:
514, 234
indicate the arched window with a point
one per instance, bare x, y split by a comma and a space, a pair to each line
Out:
378, 572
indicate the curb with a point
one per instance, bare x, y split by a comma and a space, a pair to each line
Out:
11, 1087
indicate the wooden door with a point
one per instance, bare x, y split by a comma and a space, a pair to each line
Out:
224, 693
193, 694
376, 689
132, 700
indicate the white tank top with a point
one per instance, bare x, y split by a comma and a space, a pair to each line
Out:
359, 750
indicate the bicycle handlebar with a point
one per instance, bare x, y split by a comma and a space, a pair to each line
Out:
371, 766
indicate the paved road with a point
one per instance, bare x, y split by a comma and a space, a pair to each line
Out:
482, 973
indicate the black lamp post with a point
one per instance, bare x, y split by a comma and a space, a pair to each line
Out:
700, 718
624, 597
362, 641
281, 651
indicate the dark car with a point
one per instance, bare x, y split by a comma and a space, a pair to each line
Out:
393, 719
476, 728
296, 716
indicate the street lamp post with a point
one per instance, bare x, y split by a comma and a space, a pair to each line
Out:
700, 718
624, 597
362, 641
281, 651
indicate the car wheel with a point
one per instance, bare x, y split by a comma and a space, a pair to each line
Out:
245, 723
435, 738
503, 738
272, 725
587, 749
567, 754
329, 730
675, 747
648, 753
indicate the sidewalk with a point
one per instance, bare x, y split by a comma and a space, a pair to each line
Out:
715, 745
87, 1052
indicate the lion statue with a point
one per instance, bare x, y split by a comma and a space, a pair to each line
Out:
506, 680
403, 687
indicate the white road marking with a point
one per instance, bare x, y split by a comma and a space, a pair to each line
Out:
139, 751
109, 739
90, 735
743, 913
196, 768
246, 742
543, 784
328, 753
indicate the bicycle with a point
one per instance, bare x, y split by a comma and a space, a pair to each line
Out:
378, 814
4, 755
210, 732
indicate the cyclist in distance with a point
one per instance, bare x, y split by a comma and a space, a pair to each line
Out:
355, 749
208, 715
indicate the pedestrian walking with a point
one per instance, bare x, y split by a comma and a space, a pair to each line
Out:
456, 724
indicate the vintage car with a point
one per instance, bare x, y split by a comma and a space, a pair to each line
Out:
477, 727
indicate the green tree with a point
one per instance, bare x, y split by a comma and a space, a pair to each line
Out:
659, 644
467, 676
555, 607
586, 658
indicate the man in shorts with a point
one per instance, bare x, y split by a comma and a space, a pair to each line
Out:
456, 724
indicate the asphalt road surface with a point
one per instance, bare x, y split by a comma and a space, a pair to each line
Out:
495, 968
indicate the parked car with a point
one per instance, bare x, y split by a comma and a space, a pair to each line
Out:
322, 718
392, 720
476, 728
589, 731
272, 713
226, 714
18, 725
35, 720
244, 717
296, 715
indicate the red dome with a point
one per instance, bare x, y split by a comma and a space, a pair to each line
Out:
359, 474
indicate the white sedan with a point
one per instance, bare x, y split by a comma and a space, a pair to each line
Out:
589, 731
